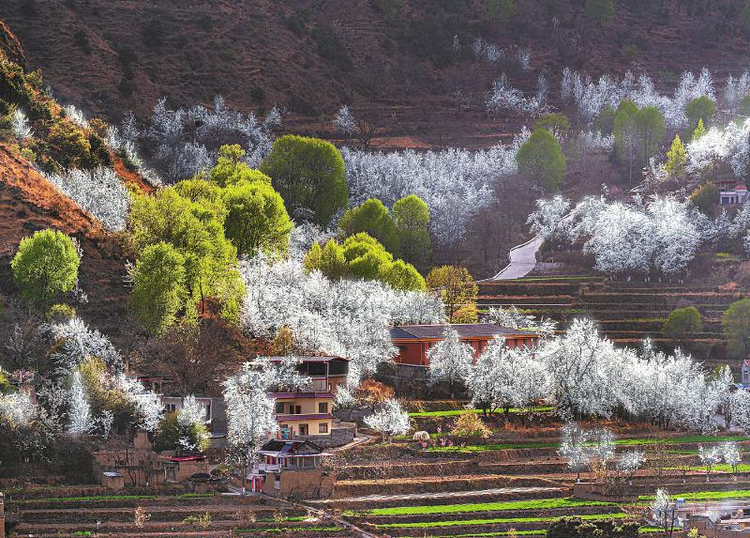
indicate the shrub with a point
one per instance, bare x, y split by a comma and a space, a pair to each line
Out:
373, 218
682, 322
705, 196
81, 39
469, 424
501, 11
700, 108
46, 264
600, 11
736, 325
60, 313
554, 122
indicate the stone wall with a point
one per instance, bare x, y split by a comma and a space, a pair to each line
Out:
414, 382
312, 484
340, 435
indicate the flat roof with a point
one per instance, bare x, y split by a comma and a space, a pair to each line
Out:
309, 359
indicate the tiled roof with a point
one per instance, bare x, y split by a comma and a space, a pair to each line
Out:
465, 330
310, 359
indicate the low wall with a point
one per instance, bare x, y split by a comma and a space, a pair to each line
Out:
414, 382
596, 492
341, 435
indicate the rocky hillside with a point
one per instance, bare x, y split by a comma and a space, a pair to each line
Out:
393, 59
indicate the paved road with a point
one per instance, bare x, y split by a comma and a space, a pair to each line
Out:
522, 260
438, 495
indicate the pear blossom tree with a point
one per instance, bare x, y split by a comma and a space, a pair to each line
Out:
512, 318
79, 413
389, 420
731, 455
191, 419
19, 124
709, 457
250, 417
664, 511
450, 360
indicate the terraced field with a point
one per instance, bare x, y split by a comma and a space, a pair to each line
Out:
626, 311
165, 516
519, 484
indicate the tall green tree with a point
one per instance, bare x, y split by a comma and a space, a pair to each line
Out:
626, 134
411, 215
159, 290
256, 218
682, 323
676, 158
231, 168
736, 325
456, 288
651, 130
310, 176
372, 217
45, 265
541, 158
700, 108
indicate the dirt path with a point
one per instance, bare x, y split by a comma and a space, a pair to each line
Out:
439, 495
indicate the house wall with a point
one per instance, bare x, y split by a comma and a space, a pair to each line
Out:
313, 427
307, 405
415, 353
312, 484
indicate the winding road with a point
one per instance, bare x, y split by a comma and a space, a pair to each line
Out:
522, 260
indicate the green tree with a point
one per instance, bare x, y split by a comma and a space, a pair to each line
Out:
403, 276
554, 123
332, 261
256, 219
455, 286
651, 130
542, 159
625, 131
45, 265
365, 257
600, 11
171, 435
676, 158
605, 122
372, 217
501, 11
310, 176
411, 215
705, 196
682, 323
745, 103
736, 325
158, 286
196, 231
699, 131
700, 108
231, 168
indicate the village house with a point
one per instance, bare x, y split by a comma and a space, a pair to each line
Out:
746, 372
307, 412
291, 468
414, 341
737, 195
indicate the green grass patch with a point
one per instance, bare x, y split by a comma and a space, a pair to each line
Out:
279, 530
456, 412
536, 504
115, 498
492, 521
642, 530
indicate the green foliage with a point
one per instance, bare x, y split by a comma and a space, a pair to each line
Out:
700, 108
170, 431
231, 168
196, 231
372, 217
411, 216
310, 176
676, 158
330, 46
553, 122
256, 219
605, 122
631, 51
362, 256
736, 325
46, 264
699, 131
542, 159
23, 89
651, 130
705, 196
501, 11
532, 504
456, 288
5, 385
600, 11
159, 286
59, 313
682, 323
637, 132
389, 8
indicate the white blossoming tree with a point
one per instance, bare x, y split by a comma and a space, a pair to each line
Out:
450, 360
79, 410
389, 420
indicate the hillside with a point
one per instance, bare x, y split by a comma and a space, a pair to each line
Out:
393, 60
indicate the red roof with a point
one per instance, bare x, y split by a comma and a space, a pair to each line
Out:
740, 188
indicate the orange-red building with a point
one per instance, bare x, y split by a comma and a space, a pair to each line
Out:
414, 341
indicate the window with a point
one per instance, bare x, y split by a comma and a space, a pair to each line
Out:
323, 427
170, 408
208, 411
279, 408
323, 407
295, 409
304, 429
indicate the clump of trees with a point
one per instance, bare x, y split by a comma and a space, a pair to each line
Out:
542, 159
457, 290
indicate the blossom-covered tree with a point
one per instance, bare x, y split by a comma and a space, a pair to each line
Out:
389, 420
450, 360
79, 410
